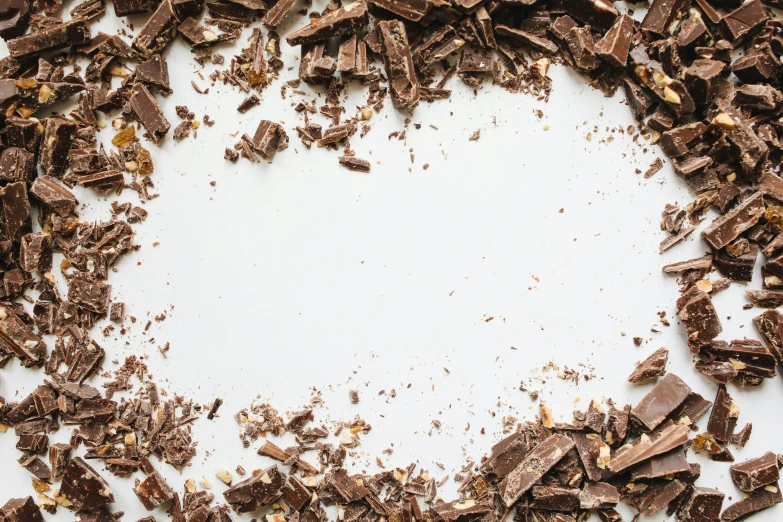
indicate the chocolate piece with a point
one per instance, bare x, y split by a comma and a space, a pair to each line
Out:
17, 338
535, 464
441, 43
555, 498
101, 179
697, 313
16, 211
36, 467
722, 372
746, 19
741, 437
21, 510
617, 425
154, 71
75, 32
24, 133
259, 490
658, 496
456, 511
701, 505
413, 10
765, 298
35, 253
278, 13
762, 97
248, 103
637, 100
403, 84
749, 355
149, 113
597, 13
653, 366
505, 456
195, 34
269, 137
751, 150
693, 31
83, 487
536, 42
759, 500
131, 7
723, 418
580, 43
153, 491
54, 196
661, 14
668, 90
159, 30
93, 296
346, 487
661, 466
702, 79
699, 263
16, 164
678, 141
35, 444
589, 450
14, 18
295, 493
725, 229
598, 495
661, 401
562, 26
354, 163
737, 268
752, 474
346, 20
670, 437
614, 46
57, 137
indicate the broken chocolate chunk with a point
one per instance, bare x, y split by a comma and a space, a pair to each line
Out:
75, 32
259, 490
153, 491
343, 21
403, 83
759, 500
724, 415
752, 474
535, 464
21, 510
653, 366
149, 113
54, 196
83, 487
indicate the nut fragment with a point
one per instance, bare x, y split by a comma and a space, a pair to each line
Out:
224, 475
670, 96
723, 121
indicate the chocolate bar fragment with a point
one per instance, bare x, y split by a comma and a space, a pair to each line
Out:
661, 14
600, 14
185, 8
456, 511
670, 437
724, 416
269, 137
153, 491
21, 510
16, 211
75, 32
505, 456
702, 79
757, 501
662, 400
355, 164
131, 7
149, 113
296, 494
154, 71
35, 444
16, 164
653, 366
555, 498
413, 10
93, 296
752, 151
701, 505
737, 267
54, 196
83, 487
403, 83
14, 18
441, 43
749, 355
752, 474
580, 43
761, 97
614, 46
538, 43
699, 316
57, 138
35, 252
726, 228
743, 21
195, 34
661, 466
668, 90
261, 489
159, 30
59, 456
278, 13
598, 495
349, 19
678, 141
248, 103
103, 179
346, 487
535, 464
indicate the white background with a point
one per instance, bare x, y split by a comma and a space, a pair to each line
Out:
300, 275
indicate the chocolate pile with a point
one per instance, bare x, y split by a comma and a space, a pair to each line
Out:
701, 78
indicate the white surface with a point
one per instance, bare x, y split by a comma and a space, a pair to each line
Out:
302, 275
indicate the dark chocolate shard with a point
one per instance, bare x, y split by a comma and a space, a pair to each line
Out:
699, 316
538, 43
153, 491
16, 211
535, 464
759, 500
614, 46
348, 488
278, 13
702, 78
598, 495
261, 489
154, 71
678, 141
660, 466
57, 137
93, 296
721, 372
355, 164
269, 137
505, 456
159, 30
75, 32
54, 195
662, 400
83, 487
653, 366
131, 7
555, 498
744, 20
724, 416
403, 83
14, 18
413, 10
701, 505
661, 15
580, 42
346, 20
21, 510
600, 14
670, 437
149, 113
753, 474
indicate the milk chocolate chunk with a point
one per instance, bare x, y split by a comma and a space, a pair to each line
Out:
83, 487
131, 7
442, 42
617, 425
670, 437
107, 178
614, 46
600, 14
765, 298
661, 14
403, 83
159, 30
21, 510
749, 355
653, 366
555, 498
737, 268
14, 18
53, 195
195, 34
269, 137
562, 26
746, 19
662, 400
701, 505
658, 496
355, 164
505, 456
261, 489
154, 71
16, 211
16, 164
724, 415
17, 338
57, 138
752, 152
640, 104
24, 133
761, 97
35, 444
149, 113
538, 43
678, 141
456, 511
413, 10
698, 263
92, 296
347, 487
770, 327
535, 464
153, 491
589, 450
296, 494
726, 228
702, 78
693, 31
759, 500
752, 474
36, 467
580, 43
346, 20
668, 90
661, 466
598, 495
35, 253
278, 13
755, 68
75, 32
722, 372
